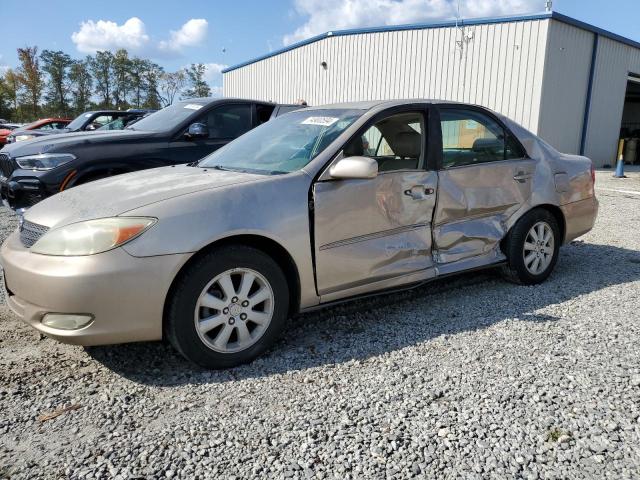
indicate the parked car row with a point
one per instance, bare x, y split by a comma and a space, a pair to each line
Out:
182, 133
318, 206
9, 135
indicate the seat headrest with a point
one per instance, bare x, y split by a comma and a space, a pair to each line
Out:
407, 144
487, 144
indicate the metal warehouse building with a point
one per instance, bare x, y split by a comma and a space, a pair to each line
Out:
573, 84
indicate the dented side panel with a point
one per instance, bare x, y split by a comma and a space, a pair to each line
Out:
367, 231
475, 205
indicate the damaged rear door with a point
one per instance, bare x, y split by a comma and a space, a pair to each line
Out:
485, 178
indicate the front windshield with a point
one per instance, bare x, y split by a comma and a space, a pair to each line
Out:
285, 144
167, 118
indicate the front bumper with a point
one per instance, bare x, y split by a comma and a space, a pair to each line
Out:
125, 294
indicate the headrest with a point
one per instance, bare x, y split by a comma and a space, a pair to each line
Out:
487, 144
407, 144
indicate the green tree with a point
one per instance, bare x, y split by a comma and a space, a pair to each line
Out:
198, 87
121, 78
57, 65
31, 77
152, 76
81, 85
6, 110
102, 71
13, 86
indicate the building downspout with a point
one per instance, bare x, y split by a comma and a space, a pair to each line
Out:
587, 104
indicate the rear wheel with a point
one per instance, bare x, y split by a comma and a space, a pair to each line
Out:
532, 248
228, 308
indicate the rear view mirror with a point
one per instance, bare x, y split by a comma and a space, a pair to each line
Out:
354, 168
197, 130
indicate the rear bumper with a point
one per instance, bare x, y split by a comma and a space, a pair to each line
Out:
579, 217
124, 294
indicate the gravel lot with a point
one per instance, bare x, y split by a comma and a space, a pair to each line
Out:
470, 377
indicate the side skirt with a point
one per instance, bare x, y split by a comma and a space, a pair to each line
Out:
404, 288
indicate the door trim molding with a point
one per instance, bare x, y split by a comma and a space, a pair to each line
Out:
374, 236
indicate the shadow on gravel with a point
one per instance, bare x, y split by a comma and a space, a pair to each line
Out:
368, 328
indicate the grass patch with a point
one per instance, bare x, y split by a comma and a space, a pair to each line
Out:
555, 434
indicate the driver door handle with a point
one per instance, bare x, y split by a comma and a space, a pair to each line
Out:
419, 192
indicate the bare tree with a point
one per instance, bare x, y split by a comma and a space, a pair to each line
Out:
171, 84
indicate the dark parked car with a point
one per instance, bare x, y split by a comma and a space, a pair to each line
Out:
87, 122
181, 133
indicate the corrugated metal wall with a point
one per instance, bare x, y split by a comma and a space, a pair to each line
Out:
564, 90
534, 71
614, 62
502, 68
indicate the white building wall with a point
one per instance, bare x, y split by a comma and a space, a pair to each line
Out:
501, 68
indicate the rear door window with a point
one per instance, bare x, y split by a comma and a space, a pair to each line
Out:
470, 137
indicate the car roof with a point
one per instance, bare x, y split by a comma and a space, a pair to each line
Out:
382, 104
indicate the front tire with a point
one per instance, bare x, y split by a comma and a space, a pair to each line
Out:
228, 307
532, 248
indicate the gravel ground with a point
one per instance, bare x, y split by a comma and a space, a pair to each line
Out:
470, 377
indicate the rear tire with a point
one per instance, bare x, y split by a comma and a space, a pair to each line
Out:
532, 248
228, 307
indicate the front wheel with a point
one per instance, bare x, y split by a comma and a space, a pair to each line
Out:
228, 307
532, 248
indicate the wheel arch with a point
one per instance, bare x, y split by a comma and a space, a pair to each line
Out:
266, 245
552, 209
558, 215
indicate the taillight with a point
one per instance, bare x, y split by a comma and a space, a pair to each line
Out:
593, 174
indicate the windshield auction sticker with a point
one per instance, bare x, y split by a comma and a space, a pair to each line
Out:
193, 106
322, 121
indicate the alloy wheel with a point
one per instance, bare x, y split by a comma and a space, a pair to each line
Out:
539, 248
234, 310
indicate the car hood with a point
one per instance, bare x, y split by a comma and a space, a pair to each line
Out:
117, 195
57, 143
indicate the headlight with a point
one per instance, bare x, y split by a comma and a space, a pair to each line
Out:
44, 161
92, 236
21, 138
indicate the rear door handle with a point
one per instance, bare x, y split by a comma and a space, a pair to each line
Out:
522, 177
419, 192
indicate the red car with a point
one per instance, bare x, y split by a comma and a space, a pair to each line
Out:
45, 123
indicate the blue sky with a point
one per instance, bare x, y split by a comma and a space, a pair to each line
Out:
222, 32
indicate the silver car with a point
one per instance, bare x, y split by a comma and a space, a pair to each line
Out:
318, 206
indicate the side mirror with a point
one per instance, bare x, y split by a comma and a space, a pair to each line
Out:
197, 130
354, 168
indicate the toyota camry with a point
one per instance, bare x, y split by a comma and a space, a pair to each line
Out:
315, 207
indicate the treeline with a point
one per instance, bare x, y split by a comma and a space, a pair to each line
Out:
52, 84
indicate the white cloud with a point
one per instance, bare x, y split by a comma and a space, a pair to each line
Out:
107, 35
191, 34
326, 15
132, 35
213, 71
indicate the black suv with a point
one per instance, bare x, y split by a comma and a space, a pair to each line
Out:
181, 133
